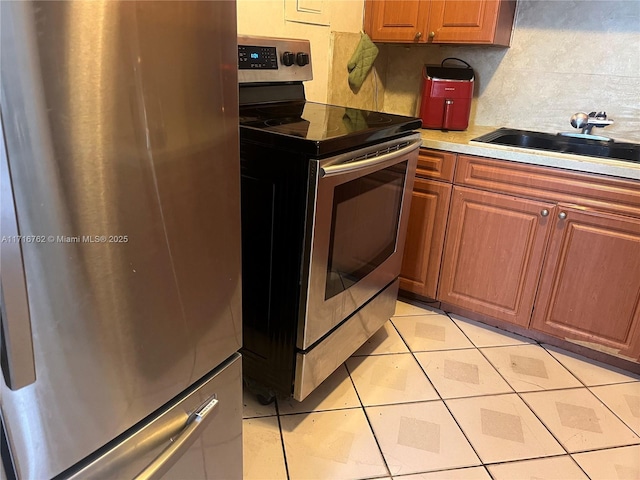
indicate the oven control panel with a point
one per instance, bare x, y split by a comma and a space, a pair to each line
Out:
268, 59
251, 57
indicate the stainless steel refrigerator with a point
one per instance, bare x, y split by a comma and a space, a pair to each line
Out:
120, 253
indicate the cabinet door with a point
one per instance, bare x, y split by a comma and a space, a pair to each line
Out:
493, 253
590, 285
425, 237
471, 21
397, 20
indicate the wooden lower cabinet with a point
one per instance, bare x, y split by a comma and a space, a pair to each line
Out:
590, 286
494, 252
425, 237
551, 251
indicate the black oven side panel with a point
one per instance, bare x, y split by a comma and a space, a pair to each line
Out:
274, 197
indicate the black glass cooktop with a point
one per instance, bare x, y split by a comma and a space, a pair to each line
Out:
318, 129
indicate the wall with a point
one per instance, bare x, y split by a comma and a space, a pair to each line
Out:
371, 94
565, 57
267, 18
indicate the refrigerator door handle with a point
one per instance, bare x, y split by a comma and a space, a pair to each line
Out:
180, 443
18, 364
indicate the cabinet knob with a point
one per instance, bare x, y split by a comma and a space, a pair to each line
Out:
562, 215
418, 35
544, 213
432, 34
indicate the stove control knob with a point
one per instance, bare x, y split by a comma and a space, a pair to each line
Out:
288, 58
302, 59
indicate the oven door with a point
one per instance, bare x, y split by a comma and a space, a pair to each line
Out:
362, 202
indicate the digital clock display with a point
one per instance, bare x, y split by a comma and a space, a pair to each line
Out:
257, 58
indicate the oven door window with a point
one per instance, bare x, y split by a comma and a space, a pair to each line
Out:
364, 226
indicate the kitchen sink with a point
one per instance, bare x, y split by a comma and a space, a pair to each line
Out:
562, 144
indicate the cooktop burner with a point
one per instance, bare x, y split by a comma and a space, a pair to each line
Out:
318, 128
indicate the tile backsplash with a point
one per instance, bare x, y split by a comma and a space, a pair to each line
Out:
565, 57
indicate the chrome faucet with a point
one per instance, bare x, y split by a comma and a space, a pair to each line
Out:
586, 123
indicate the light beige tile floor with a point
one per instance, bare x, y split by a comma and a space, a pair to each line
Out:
261, 440
462, 373
385, 340
334, 393
337, 444
438, 397
420, 437
385, 379
435, 331
623, 399
579, 420
622, 463
556, 468
529, 367
501, 428
485, 336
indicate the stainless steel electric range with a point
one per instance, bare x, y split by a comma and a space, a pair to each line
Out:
325, 203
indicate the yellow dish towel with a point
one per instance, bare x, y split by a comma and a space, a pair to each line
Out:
361, 61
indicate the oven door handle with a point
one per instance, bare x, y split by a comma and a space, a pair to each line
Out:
351, 165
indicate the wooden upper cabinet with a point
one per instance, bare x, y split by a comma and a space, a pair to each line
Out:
397, 20
590, 286
486, 22
471, 21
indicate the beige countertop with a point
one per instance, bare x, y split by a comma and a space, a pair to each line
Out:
459, 142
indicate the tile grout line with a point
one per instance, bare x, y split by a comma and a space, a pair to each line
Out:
567, 454
564, 367
518, 393
416, 360
588, 387
284, 450
520, 460
611, 410
534, 342
308, 412
583, 386
442, 399
592, 362
528, 406
425, 312
364, 410
409, 351
513, 389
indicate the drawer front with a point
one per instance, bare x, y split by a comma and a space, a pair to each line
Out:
436, 164
216, 451
599, 192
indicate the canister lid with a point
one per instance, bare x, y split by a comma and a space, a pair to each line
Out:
448, 73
